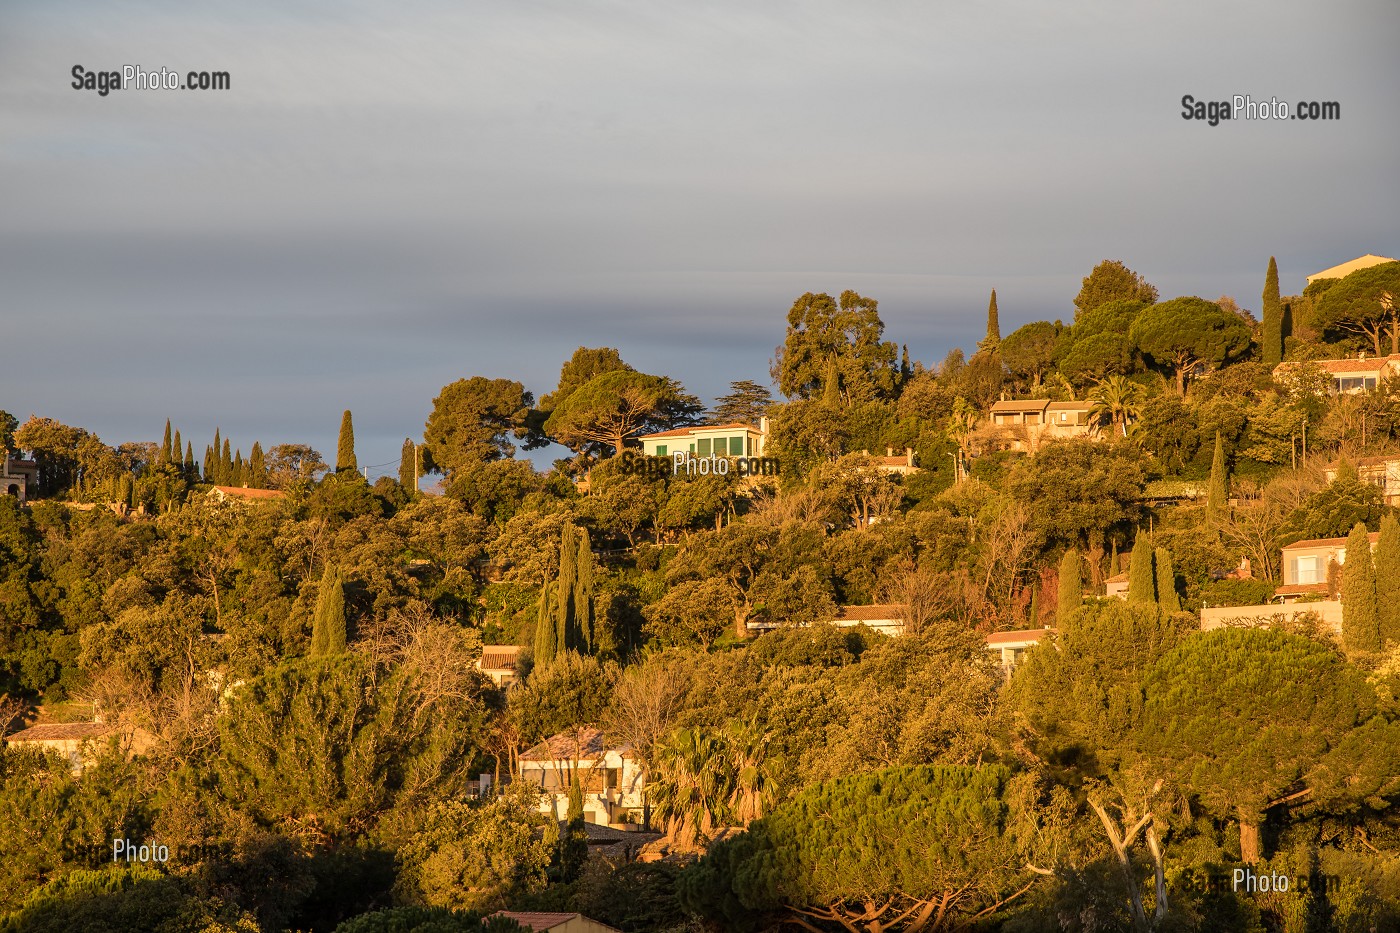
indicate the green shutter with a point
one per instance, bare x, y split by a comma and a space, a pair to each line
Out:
660, 450
736, 447
702, 446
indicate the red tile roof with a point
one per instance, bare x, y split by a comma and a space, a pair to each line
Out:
59, 731
500, 657
1029, 634
246, 493
879, 613
587, 742
682, 432
1369, 365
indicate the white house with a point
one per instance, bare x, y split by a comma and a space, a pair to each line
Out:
1383, 472
612, 779
734, 439
1349, 377
499, 663
1010, 647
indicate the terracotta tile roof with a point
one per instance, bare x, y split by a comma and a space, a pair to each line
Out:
1300, 589
1118, 578
244, 492
1327, 542
1032, 404
587, 742
59, 731
539, 920
685, 432
877, 613
1029, 634
500, 657
1071, 406
1369, 365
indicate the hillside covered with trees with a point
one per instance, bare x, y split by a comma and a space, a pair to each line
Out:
304, 661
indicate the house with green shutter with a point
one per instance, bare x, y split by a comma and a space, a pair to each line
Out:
735, 439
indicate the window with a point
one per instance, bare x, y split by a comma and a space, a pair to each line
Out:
1305, 569
1032, 417
660, 450
702, 446
736, 447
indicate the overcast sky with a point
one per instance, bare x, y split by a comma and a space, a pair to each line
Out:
393, 196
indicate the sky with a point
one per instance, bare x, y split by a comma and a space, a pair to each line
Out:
393, 196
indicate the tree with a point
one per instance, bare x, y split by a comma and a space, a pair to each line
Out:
1271, 336
408, 466
1189, 335
1029, 352
1117, 401
992, 342
611, 409
1077, 490
1109, 281
580, 369
566, 589
345, 448
328, 625
1218, 497
1364, 303
1246, 717
473, 421
546, 642
941, 847
8, 423
226, 464
1166, 582
1142, 584
166, 452
288, 463
582, 624
1387, 560
55, 447
746, 401
1071, 587
826, 335
1360, 622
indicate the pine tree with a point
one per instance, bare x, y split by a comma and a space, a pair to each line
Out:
1142, 586
165, 452
993, 339
1218, 499
1166, 582
328, 625
583, 595
226, 465
1071, 588
345, 450
565, 591
1272, 331
1360, 627
408, 465
1388, 581
545, 641
257, 468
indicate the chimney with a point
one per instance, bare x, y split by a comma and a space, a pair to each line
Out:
889, 451
908, 456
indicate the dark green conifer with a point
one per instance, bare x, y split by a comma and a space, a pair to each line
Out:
190, 466
345, 450
328, 625
545, 640
408, 465
226, 465
1071, 587
993, 339
1388, 581
1360, 626
1166, 582
583, 595
238, 479
1218, 498
165, 453
177, 451
1142, 585
210, 469
1271, 333
256, 476
565, 590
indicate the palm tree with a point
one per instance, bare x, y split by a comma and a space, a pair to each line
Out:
1117, 401
688, 791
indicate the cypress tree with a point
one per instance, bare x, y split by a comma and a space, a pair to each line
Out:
190, 465
1166, 582
1071, 587
328, 625
1272, 330
1218, 499
408, 465
256, 476
238, 478
209, 472
573, 848
1360, 627
345, 450
545, 642
993, 338
165, 453
564, 634
226, 465
1142, 586
583, 594
177, 451
1388, 581
218, 446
